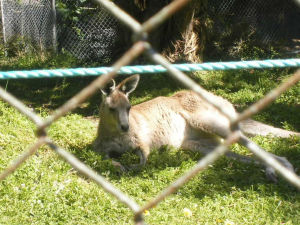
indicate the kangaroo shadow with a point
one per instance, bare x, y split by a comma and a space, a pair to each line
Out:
224, 175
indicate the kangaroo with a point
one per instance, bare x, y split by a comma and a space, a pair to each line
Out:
183, 120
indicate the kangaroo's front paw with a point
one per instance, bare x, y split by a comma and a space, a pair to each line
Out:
119, 166
271, 174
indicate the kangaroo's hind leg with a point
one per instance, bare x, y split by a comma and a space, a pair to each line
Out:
205, 146
219, 125
270, 172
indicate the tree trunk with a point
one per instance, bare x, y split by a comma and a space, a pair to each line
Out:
180, 38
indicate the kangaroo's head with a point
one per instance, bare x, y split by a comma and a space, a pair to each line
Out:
115, 105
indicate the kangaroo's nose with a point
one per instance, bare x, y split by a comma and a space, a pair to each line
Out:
125, 127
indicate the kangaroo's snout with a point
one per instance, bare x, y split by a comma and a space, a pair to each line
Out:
125, 127
124, 120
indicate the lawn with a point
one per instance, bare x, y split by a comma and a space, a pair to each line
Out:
46, 190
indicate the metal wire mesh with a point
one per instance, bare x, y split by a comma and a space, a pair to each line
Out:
88, 35
32, 21
142, 46
275, 25
89, 32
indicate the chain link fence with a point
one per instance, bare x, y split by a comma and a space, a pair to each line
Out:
32, 22
266, 24
271, 20
89, 32
142, 46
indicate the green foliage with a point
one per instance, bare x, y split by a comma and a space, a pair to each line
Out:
72, 10
36, 60
2, 48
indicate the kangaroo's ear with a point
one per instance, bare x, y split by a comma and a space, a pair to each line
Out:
110, 86
129, 84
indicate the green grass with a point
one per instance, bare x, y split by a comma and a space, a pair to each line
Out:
46, 190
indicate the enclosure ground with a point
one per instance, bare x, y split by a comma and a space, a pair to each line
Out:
46, 190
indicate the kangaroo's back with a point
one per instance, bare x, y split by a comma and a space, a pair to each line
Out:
176, 119
158, 122
183, 102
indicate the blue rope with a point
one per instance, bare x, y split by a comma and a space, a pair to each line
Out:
255, 64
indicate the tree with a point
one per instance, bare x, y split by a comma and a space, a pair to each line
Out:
180, 38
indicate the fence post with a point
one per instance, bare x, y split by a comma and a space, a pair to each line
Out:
3, 26
54, 38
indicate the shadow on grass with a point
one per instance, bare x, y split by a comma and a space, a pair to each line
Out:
278, 112
45, 95
224, 176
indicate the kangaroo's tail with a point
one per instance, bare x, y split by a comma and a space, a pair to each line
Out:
252, 128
